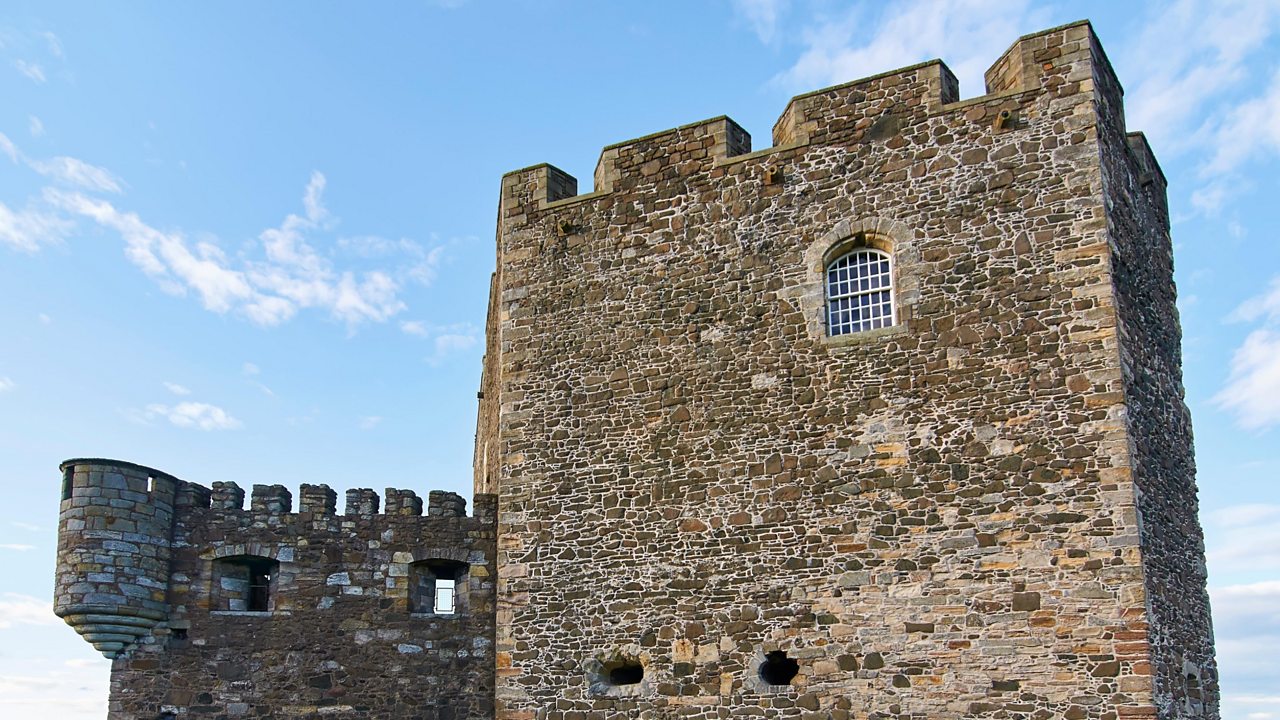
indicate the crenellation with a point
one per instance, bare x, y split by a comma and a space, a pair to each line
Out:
701, 493
362, 501
446, 504
271, 500
403, 502
318, 500
227, 495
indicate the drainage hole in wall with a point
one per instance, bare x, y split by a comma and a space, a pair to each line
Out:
624, 672
778, 669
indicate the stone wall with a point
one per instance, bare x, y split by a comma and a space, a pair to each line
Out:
1179, 638
345, 630
937, 519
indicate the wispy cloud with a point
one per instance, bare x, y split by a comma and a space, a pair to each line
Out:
175, 388
202, 416
762, 16
25, 526
1252, 389
1246, 539
35, 126
250, 369
19, 547
446, 340
267, 291
369, 422
869, 39
416, 328
77, 173
29, 229
53, 43
1246, 625
6, 384
32, 70
18, 609
1202, 89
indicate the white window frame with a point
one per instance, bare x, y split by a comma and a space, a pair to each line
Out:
446, 599
853, 296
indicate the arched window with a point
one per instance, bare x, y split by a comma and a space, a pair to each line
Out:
859, 292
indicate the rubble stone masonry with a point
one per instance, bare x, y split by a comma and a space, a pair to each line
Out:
692, 501
986, 510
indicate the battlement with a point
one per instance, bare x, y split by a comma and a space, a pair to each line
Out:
122, 525
321, 501
1060, 61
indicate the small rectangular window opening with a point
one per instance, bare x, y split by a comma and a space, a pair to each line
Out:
151, 483
259, 590
444, 604
67, 476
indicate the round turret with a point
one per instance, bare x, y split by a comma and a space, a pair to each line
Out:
115, 526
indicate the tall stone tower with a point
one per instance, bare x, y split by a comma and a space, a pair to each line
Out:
884, 421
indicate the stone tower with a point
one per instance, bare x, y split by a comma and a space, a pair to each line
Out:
884, 421
211, 609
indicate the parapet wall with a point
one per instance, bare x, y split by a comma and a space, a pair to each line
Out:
344, 620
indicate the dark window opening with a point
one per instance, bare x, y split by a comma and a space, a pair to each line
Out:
778, 669
178, 633
624, 672
438, 587
66, 482
167, 716
245, 583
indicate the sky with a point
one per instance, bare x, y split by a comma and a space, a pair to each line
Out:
252, 241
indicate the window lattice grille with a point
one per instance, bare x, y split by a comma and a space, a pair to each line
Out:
859, 292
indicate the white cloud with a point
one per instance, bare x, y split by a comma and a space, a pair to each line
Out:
451, 343
1252, 389
194, 414
250, 369
176, 389
30, 229
1246, 539
35, 126
44, 319
32, 70
1250, 130
1189, 54
55, 44
77, 173
418, 263
8, 148
1246, 625
964, 33
446, 340
762, 16
6, 384
369, 422
415, 327
17, 609
19, 547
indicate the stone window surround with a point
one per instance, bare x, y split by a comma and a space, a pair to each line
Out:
852, 293
283, 555
886, 235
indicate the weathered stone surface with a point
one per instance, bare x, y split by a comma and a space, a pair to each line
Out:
691, 502
951, 503
340, 634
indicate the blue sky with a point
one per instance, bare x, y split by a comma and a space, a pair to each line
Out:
252, 242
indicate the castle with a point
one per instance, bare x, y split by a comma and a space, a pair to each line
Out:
884, 421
